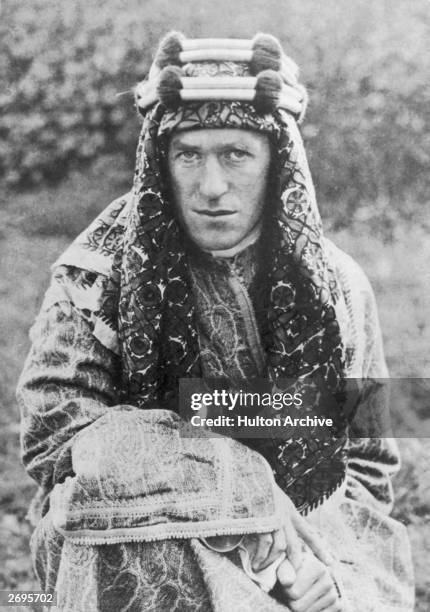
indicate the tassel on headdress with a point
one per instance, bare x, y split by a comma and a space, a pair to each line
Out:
267, 54
267, 91
263, 52
169, 49
179, 74
169, 86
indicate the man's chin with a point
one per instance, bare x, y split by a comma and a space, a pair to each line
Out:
217, 244
220, 240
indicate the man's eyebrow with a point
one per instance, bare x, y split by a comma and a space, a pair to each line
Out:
179, 144
183, 144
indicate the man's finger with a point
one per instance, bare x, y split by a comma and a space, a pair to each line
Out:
286, 574
294, 549
310, 595
311, 582
312, 539
264, 544
329, 602
277, 548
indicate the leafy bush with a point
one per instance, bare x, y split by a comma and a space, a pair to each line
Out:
366, 65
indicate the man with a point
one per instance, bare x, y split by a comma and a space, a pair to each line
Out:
215, 266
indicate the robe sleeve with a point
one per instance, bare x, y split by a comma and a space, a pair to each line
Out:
373, 456
69, 381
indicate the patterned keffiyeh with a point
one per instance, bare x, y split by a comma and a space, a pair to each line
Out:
148, 310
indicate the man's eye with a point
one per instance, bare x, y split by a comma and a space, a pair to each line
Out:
188, 156
237, 155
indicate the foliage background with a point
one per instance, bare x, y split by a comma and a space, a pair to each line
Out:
67, 142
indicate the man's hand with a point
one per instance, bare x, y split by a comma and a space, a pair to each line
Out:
265, 548
310, 588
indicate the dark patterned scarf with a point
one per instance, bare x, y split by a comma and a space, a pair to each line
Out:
150, 298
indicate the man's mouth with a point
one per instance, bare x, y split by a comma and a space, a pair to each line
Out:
215, 213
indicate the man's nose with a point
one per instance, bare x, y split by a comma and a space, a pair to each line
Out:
213, 182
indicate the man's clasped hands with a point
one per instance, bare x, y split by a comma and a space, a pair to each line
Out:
304, 576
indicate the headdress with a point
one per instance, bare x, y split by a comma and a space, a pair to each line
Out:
187, 70
147, 306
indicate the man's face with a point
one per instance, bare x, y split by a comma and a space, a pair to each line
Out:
219, 179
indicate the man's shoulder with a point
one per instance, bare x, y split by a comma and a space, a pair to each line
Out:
95, 247
82, 272
350, 274
359, 319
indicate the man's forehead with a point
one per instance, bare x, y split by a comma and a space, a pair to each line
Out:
208, 137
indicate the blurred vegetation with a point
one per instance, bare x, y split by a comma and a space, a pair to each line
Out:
69, 69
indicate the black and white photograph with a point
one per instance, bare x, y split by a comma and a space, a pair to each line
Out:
215, 287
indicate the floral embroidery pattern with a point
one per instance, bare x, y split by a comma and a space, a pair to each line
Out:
149, 302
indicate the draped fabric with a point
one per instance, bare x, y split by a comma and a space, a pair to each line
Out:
125, 527
125, 318
114, 478
148, 309
303, 337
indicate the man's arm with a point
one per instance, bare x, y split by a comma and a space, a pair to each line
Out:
67, 383
373, 457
